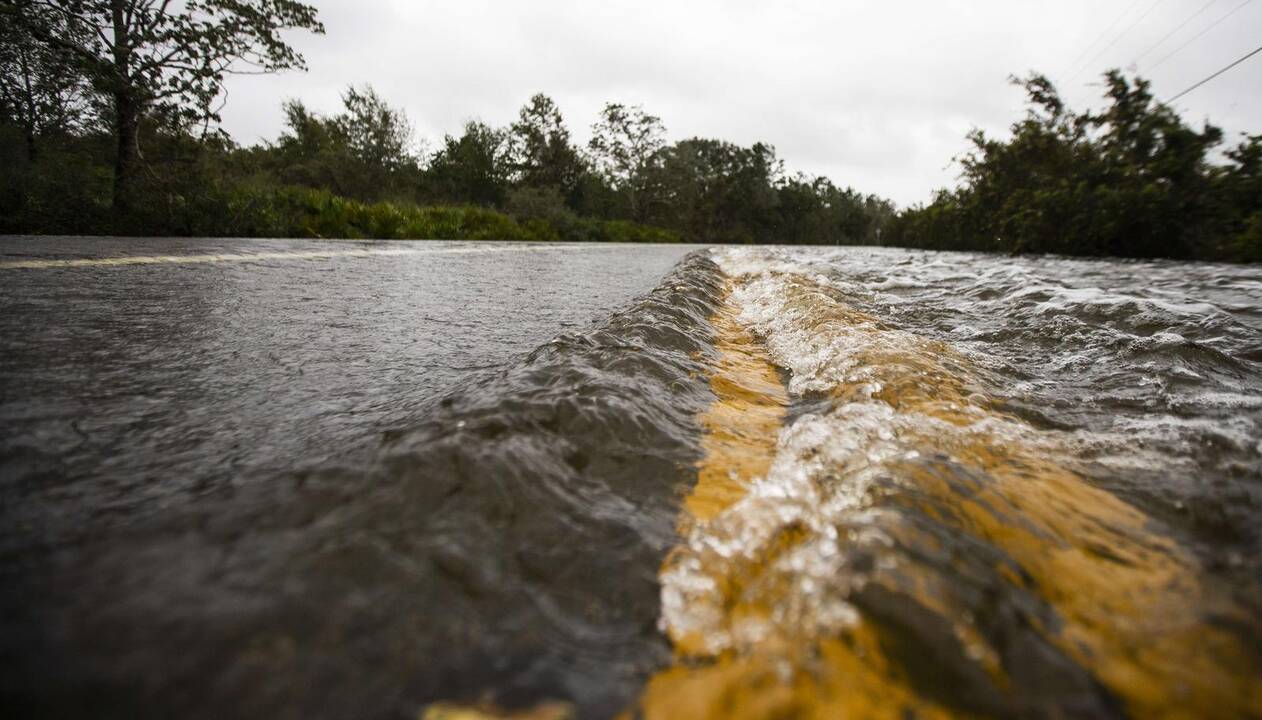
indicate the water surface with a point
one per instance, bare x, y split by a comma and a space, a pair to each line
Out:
784, 483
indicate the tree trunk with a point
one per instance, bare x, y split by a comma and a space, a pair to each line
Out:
125, 131
126, 113
32, 150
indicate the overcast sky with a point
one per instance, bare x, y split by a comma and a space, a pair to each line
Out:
874, 94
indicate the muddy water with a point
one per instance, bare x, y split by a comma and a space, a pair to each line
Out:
975, 507
785, 483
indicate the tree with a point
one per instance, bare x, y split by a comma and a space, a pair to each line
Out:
306, 133
377, 134
41, 91
814, 211
473, 168
626, 146
312, 151
717, 191
365, 151
541, 152
1130, 180
156, 56
1238, 197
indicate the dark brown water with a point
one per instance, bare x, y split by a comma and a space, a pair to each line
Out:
785, 483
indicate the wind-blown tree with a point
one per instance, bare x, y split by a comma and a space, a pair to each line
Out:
311, 152
473, 168
159, 56
1238, 201
376, 133
1130, 180
306, 134
540, 147
365, 152
626, 149
41, 90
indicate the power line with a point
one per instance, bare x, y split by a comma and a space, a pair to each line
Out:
1200, 34
1211, 77
1122, 34
1171, 34
1074, 66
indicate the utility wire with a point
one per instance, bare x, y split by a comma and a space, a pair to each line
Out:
1122, 34
1198, 36
1101, 36
1211, 77
1171, 34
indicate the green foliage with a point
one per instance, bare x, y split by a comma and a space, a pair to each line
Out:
375, 133
1132, 180
473, 168
626, 148
315, 213
716, 191
162, 60
813, 210
354, 174
540, 150
364, 152
65, 190
40, 90
85, 84
169, 55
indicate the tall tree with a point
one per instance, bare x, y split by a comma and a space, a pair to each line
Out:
41, 90
151, 56
542, 153
365, 152
376, 133
473, 168
1131, 179
626, 146
717, 191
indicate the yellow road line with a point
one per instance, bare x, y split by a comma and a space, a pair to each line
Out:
1131, 607
739, 430
292, 255
835, 677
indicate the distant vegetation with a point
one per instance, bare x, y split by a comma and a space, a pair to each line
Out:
1131, 180
114, 132
108, 124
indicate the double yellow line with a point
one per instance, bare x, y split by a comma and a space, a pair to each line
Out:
833, 678
1129, 606
1132, 607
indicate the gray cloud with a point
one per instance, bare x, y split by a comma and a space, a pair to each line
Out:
877, 95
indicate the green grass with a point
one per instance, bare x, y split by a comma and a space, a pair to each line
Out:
301, 212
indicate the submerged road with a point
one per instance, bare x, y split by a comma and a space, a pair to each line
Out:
140, 373
191, 444
385, 480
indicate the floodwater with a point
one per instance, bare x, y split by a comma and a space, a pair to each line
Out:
823, 483
130, 387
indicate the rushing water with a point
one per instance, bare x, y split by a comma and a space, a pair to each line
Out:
1001, 487
786, 483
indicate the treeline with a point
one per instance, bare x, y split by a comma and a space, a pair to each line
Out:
1132, 180
627, 184
109, 110
87, 152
